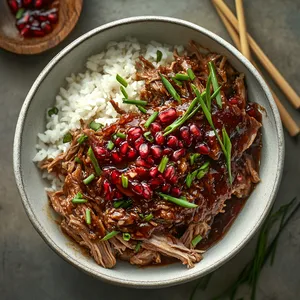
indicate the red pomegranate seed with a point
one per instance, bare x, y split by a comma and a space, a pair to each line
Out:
153, 171
185, 133
174, 179
43, 18
202, 149
168, 116
100, 152
239, 178
147, 192
166, 188
155, 127
118, 141
233, 100
176, 192
169, 172
107, 191
251, 112
167, 151
137, 188
35, 23
134, 133
142, 163
38, 3
156, 151
141, 171
144, 150
139, 142
37, 32
118, 195
25, 31
132, 154
178, 154
116, 156
13, 6
195, 131
52, 18
115, 177
124, 148
150, 161
155, 183
172, 141
27, 2
159, 138
180, 144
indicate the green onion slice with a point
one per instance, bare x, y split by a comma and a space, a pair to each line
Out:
78, 200
191, 74
67, 137
124, 181
88, 218
121, 135
122, 203
214, 81
123, 91
94, 161
110, 235
126, 236
82, 139
53, 111
158, 56
178, 201
178, 82
196, 240
193, 158
19, 13
135, 102
110, 145
182, 77
89, 179
148, 218
77, 160
142, 109
137, 247
95, 126
151, 119
121, 80
170, 88
148, 136
163, 164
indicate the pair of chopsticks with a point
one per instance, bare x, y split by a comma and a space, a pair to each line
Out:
242, 40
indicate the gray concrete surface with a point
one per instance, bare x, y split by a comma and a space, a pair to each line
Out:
30, 270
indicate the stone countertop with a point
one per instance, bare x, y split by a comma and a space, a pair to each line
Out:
30, 270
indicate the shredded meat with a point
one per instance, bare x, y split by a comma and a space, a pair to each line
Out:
145, 257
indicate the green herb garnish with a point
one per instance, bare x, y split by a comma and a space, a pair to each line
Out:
193, 158
121, 80
53, 111
151, 119
148, 218
126, 236
82, 139
123, 91
179, 83
135, 102
20, 13
199, 173
191, 74
110, 235
178, 201
207, 93
124, 181
163, 163
77, 160
88, 218
170, 88
214, 81
89, 179
137, 247
67, 137
182, 77
122, 203
148, 136
78, 199
158, 56
110, 145
196, 240
95, 126
94, 161
142, 109
121, 135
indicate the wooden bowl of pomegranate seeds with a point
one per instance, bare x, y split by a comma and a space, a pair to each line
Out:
34, 26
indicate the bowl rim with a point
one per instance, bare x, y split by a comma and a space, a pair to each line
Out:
18, 141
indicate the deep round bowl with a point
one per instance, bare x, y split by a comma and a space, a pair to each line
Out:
42, 95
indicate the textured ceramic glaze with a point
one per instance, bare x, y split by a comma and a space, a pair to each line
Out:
42, 95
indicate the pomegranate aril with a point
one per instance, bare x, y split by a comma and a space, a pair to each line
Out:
38, 3
180, 144
166, 188
174, 179
124, 148
195, 131
139, 142
116, 156
132, 154
153, 171
100, 152
155, 127
176, 192
169, 172
141, 171
115, 177
233, 100
167, 151
107, 191
202, 149
147, 192
144, 150
156, 151
134, 133
172, 141
178, 154
155, 183
118, 141
52, 18
25, 31
167, 116
137, 188
185, 133
13, 6
150, 161
27, 2
159, 138
142, 163
37, 32
118, 195
35, 23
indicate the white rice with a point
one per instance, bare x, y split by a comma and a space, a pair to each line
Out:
86, 95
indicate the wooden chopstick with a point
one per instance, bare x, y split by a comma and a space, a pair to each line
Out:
287, 120
242, 29
274, 73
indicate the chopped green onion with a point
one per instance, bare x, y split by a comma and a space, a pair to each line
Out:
88, 218
190, 178
124, 181
148, 218
191, 74
78, 200
182, 77
78, 195
95, 126
121, 80
196, 240
135, 102
215, 93
122, 203
178, 201
163, 164
123, 91
137, 247
148, 136
53, 111
19, 13
67, 137
228, 146
170, 88
110, 145
89, 179
207, 94
151, 119
110, 235
179, 83
121, 135
77, 160
158, 56
214, 81
94, 161
199, 173
126, 236
203, 170
193, 158
142, 109
82, 139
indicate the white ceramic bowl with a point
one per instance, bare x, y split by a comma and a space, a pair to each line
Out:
42, 95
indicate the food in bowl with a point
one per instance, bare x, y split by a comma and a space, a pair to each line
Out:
151, 152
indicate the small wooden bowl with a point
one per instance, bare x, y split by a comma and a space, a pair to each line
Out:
11, 40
